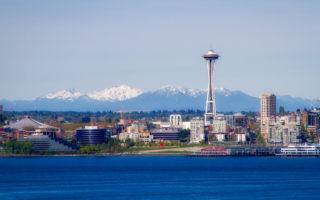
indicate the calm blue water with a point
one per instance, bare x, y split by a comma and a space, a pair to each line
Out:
159, 178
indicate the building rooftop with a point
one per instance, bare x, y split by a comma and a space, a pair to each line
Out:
165, 130
91, 127
28, 123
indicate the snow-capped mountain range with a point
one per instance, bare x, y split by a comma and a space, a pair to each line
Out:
126, 98
117, 93
64, 94
124, 92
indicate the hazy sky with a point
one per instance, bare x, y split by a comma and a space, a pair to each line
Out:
90, 45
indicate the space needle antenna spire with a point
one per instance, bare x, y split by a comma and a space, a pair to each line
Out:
211, 109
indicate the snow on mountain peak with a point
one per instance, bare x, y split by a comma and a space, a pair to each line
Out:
64, 95
223, 91
116, 93
172, 90
124, 92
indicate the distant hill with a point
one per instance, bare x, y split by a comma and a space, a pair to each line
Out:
126, 98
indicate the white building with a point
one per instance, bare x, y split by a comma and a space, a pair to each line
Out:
220, 137
136, 128
148, 138
175, 120
132, 136
186, 125
240, 137
160, 124
284, 130
196, 130
219, 124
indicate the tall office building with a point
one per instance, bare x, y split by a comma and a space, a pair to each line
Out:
311, 121
211, 111
268, 107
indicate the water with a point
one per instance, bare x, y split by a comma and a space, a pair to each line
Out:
141, 177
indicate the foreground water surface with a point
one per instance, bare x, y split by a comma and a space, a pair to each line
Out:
143, 177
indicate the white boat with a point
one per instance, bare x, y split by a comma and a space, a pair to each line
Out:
300, 150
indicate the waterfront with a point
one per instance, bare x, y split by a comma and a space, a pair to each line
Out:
159, 177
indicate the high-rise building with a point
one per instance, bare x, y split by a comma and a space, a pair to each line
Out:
211, 111
1, 109
311, 121
267, 112
268, 105
175, 120
197, 130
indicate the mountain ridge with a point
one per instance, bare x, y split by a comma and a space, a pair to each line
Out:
123, 97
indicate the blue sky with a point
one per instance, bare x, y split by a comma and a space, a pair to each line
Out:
90, 45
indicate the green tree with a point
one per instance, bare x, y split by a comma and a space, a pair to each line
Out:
16, 147
9, 146
25, 147
260, 139
129, 143
202, 142
184, 135
115, 146
89, 149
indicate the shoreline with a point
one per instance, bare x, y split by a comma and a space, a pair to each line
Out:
149, 155
92, 155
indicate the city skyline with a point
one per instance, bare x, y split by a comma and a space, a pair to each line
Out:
171, 99
49, 46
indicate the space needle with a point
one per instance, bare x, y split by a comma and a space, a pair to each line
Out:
211, 110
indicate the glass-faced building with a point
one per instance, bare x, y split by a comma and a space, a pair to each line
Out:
91, 135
